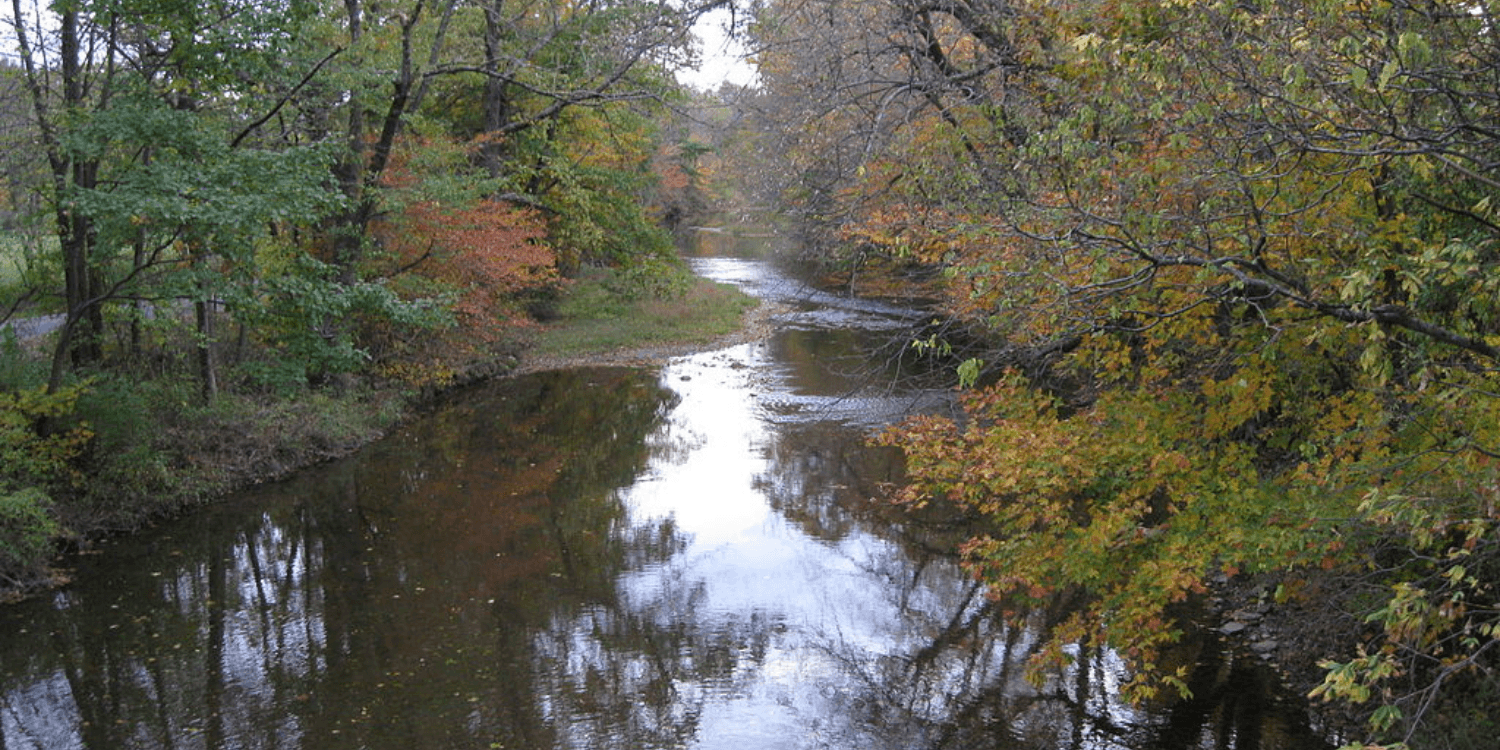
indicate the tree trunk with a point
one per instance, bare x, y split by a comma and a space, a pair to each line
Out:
208, 376
76, 232
80, 342
496, 101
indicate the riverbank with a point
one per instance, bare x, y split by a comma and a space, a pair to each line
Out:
755, 325
195, 455
589, 331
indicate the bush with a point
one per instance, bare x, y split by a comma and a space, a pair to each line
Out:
283, 378
26, 533
18, 368
127, 469
651, 278
37, 445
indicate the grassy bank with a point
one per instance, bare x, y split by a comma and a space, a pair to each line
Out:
596, 317
151, 449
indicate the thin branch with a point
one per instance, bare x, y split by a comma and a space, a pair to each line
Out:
285, 99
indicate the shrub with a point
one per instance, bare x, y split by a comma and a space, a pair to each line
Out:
26, 533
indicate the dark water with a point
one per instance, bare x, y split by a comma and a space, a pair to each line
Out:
684, 557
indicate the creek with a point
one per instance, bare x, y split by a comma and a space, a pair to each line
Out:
687, 556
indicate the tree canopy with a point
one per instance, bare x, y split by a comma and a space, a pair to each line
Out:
1224, 274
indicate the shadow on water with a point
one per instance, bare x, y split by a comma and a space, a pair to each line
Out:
594, 558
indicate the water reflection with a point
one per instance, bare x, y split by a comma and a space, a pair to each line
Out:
399, 596
599, 558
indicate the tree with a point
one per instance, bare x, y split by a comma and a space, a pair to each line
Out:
66, 87
561, 102
444, 236
869, 95
128, 114
1236, 265
192, 212
332, 190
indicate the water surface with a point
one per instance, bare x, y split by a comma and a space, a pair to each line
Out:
692, 556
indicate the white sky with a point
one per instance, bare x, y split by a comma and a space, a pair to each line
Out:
723, 58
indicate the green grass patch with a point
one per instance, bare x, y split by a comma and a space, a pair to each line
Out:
596, 316
12, 260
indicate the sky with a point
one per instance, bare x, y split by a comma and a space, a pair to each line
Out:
722, 56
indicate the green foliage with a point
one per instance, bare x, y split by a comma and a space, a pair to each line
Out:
189, 192
26, 532
306, 318
18, 370
280, 376
29, 263
128, 467
39, 452
211, 45
651, 277
599, 218
37, 446
243, 156
13, 262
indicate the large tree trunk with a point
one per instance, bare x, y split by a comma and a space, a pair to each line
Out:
76, 232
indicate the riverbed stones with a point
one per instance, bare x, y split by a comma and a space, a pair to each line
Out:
1233, 627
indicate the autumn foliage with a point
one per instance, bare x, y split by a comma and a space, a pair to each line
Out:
487, 253
1231, 268
484, 255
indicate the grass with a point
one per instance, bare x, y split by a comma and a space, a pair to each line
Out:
595, 317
